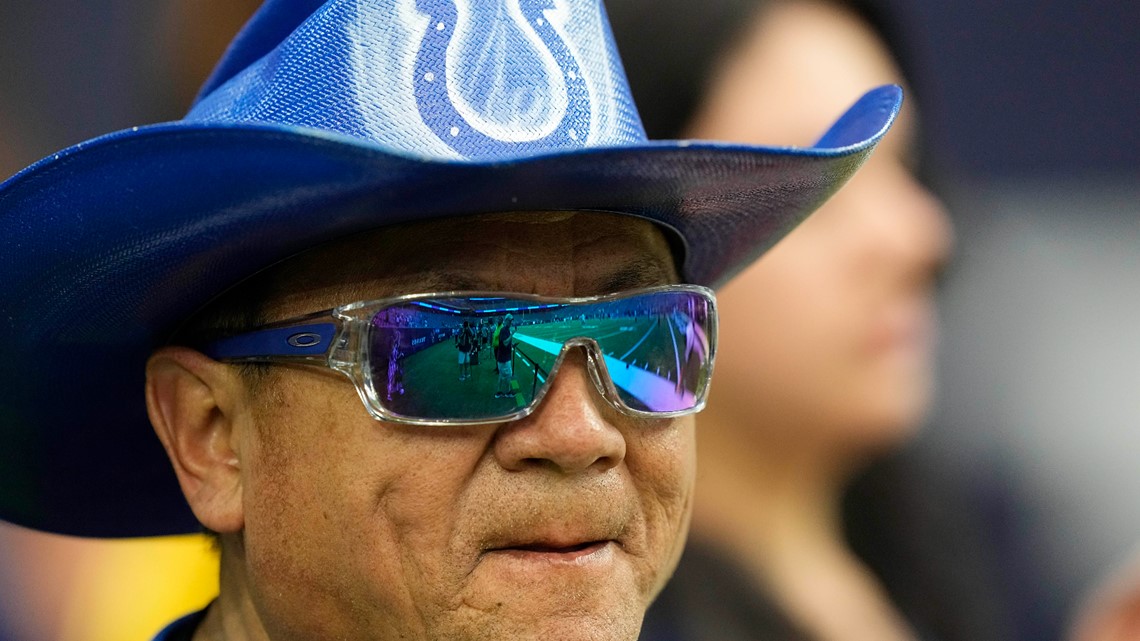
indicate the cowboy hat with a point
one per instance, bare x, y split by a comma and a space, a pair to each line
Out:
325, 119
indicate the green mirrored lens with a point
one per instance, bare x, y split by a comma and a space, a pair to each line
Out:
481, 358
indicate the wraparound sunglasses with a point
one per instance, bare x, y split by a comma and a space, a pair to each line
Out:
650, 352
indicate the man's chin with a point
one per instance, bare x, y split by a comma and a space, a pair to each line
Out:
612, 628
589, 593
615, 623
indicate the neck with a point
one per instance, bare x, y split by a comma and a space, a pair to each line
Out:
770, 496
232, 617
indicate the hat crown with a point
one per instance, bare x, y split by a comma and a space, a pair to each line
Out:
462, 79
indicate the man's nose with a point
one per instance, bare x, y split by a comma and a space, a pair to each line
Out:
567, 433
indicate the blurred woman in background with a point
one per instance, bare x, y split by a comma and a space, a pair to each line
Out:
826, 344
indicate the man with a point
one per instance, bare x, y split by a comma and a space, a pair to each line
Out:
357, 176
504, 348
464, 341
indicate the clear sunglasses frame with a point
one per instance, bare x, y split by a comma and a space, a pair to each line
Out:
340, 339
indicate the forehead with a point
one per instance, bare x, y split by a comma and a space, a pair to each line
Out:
552, 253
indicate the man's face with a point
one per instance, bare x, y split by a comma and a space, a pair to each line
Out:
563, 525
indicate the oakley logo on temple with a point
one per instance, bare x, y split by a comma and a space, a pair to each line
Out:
305, 339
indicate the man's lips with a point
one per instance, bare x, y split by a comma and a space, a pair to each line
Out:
558, 535
544, 547
557, 543
561, 549
580, 531
554, 551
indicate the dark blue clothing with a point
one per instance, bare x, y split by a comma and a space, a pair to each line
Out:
504, 346
710, 597
182, 629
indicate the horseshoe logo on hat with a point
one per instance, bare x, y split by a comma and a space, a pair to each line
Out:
511, 73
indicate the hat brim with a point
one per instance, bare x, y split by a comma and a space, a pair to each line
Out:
105, 247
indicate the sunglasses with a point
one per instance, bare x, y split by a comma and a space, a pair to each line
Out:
474, 357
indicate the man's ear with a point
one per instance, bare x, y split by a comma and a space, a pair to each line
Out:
197, 406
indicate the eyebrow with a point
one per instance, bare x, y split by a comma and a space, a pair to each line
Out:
437, 281
635, 274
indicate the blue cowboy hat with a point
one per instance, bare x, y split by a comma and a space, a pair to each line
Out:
325, 119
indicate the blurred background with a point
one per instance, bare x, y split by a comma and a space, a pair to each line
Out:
1029, 133
1029, 117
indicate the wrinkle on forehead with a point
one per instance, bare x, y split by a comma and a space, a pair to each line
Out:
552, 253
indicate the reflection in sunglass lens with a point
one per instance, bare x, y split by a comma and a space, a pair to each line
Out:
485, 358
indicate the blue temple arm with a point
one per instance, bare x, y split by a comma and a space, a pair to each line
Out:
298, 340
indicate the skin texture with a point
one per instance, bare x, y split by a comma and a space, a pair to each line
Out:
828, 339
336, 526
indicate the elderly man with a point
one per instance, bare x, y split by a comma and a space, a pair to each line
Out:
357, 180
